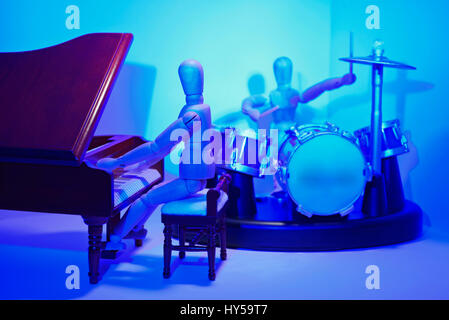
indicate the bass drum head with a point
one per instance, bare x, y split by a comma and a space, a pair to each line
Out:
326, 175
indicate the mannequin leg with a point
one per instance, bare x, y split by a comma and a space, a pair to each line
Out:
139, 212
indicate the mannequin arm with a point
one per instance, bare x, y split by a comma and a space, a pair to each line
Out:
326, 85
251, 104
154, 151
269, 111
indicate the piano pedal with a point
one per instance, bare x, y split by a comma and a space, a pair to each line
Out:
115, 246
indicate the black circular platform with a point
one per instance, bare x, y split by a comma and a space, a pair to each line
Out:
297, 233
276, 227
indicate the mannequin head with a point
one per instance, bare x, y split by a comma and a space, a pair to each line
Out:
191, 75
282, 68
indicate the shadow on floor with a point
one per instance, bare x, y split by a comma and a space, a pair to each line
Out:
145, 271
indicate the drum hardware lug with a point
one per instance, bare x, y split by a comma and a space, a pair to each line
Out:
346, 211
369, 172
304, 212
294, 130
404, 141
332, 126
290, 131
348, 135
306, 136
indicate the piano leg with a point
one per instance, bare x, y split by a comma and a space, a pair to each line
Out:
95, 227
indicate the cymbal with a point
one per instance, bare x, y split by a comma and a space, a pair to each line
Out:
379, 60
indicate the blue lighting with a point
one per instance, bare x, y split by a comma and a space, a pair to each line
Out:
237, 42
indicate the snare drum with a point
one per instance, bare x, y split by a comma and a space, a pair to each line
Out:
322, 169
393, 140
243, 154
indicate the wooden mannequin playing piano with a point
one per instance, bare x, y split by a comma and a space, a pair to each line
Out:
193, 173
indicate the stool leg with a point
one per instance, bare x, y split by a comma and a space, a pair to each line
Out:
167, 250
223, 253
211, 252
182, 241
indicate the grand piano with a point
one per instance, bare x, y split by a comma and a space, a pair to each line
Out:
51, 101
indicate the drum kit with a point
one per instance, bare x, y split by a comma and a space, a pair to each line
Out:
324, 170
344, 188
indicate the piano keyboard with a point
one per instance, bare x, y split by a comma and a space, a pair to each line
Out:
130, 183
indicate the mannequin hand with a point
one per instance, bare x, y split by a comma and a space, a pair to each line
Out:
348, 79
189, 118
108, 164
253, 114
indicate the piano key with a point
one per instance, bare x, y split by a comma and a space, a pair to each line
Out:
132, 182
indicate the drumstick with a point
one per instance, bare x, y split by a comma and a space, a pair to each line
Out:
351, 50
267, 112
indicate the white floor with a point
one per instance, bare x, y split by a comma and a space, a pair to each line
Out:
35, 250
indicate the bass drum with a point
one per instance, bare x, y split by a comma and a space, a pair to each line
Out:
322, 169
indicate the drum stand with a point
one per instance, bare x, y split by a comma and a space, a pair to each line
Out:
394, 191
242, 202
375, 198
376, 194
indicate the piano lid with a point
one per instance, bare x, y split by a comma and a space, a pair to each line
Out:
52, 99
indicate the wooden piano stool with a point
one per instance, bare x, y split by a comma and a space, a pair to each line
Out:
204, 213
